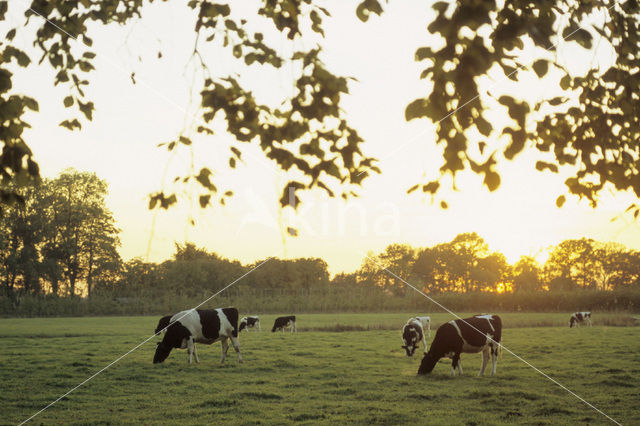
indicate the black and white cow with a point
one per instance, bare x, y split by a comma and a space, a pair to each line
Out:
249, 322
578, 318
186, 328
413, 332
282, 322
480, 333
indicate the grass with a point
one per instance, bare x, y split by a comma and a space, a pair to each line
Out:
315, 376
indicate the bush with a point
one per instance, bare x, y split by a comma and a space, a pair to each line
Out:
323, 300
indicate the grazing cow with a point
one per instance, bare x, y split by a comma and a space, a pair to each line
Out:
282, 322
413, 332
480, 333
186, 328
249, 322
580, 317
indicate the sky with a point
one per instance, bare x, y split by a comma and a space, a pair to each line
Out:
120, 146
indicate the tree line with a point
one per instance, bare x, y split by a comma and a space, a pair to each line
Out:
466, 265
62, 242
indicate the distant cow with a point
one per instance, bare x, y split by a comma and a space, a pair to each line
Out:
413, 332
578, 318
249, 322
480, 333
282, 322
186, 328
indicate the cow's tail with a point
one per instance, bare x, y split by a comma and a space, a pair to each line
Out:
232, 317
497, 325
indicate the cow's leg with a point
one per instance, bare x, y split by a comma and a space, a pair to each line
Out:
485, 359
236, 347
429, 329
259, 328
225, 348
424, 343
293, 326
190, 348
455, 362
494, 358
195, 353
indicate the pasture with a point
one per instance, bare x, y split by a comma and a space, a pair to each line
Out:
339, 368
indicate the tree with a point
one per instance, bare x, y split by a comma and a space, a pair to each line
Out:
592, 125
492, 273
616, 266
81, 239
573, 260
397, 259
527, 275
21, 230
307, 133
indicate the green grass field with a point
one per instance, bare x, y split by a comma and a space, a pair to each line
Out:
317, 375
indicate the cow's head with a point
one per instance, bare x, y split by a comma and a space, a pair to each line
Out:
410, 349
173, 338
428, 362
410, 338
162, 352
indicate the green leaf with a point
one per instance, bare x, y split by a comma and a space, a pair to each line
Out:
560, 201
232, 163
204, 200
431, 187
68, 101
492, 180
440, 6
204, 179
541, 66
423, 53
86, 109
541, 166
416, 109
367, 7
565, 82
580, 36
31, 103
557, 101
230, 24
237, 51
71, 124
85, 66
484, 127
237, 152
184, 140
